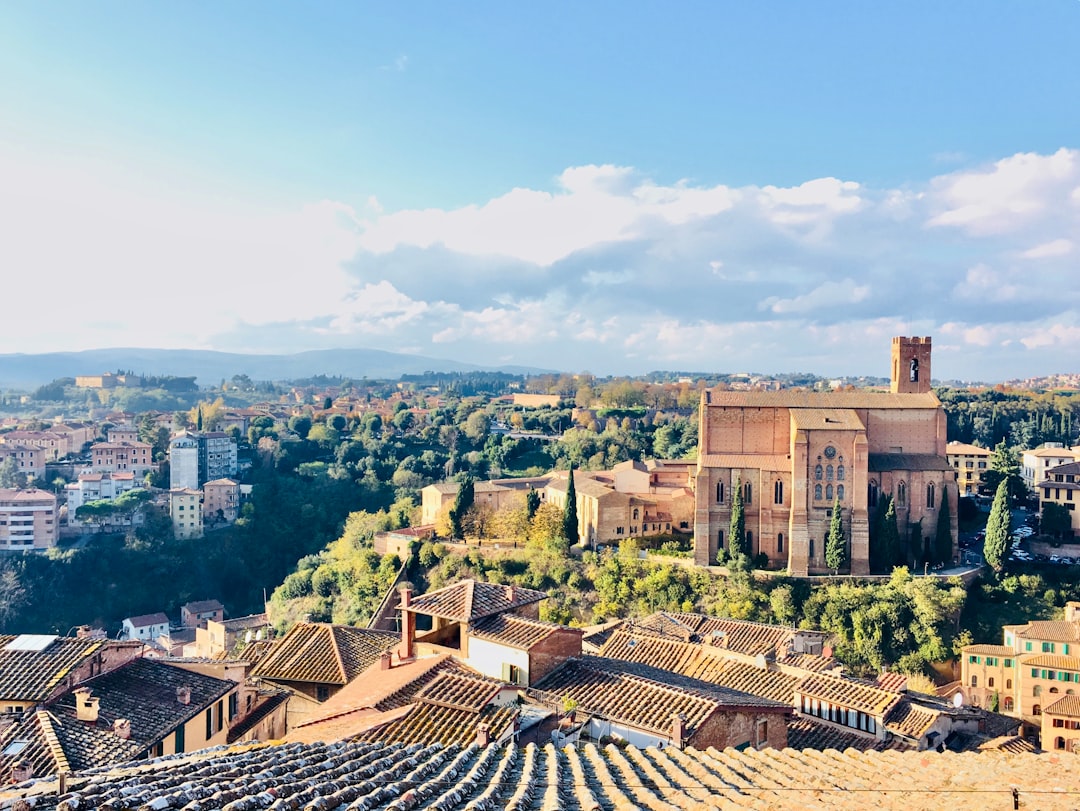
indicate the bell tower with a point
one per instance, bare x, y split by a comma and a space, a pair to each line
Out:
910, 365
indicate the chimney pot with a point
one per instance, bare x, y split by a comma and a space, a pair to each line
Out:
21, 772
385, 660
678, 730
122, 728
483, 735
511, 592
183, 694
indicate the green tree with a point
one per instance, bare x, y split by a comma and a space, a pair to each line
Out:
888, 539
997, 527
10, 476
570, 516
943, 540
737, 526
1055, 520
835, 543
464, 499
1005, 466
532, 502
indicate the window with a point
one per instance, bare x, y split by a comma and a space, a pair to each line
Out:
234, 705
829, 473
973, 660
974, 681
872, 494
1008, 684
748, 492
901, 494
840, 473
209, 723
840, 491
1059, 742
780, 543
811, 548
636, 513
1047, 647
1036, 710
990, 682
178, 740
817, 472
618, 530
512, 674
761, 736
1008, 703
930, 496
1027, 646
828, 492
719, 492
1008, 663
992, 661
720, 538
817, 492
322, 693
778, 492
1036, 691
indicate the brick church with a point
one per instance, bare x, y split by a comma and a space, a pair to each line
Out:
795, 453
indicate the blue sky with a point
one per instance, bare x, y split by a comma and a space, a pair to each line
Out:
607, 186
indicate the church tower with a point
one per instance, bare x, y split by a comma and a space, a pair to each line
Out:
910, 365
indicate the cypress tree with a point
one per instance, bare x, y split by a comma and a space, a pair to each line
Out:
198, 419
737, 527
570, 519
532, 502
835, 544
890, 537
997, 527
466, 495
943, 539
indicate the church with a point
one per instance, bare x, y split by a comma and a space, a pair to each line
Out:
797, 453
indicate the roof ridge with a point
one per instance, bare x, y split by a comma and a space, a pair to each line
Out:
470, 591
336, 648
52, 740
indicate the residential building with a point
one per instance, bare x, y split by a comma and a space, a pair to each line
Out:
1035, 464
196, 614
796, 454
122, 457
969, 462
221, 501
196, 457
28, 520
1061, 725
1060, 485
145, 627
98, 487
218, 637
29, 458
79, 434
185, 510
53, 445
107, 381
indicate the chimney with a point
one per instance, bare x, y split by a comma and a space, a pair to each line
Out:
83, 632
407, 648
511, 593
384, 660
86, 706
122, 728
1072, 611
21, 772
483, 735
678, 730
183, 694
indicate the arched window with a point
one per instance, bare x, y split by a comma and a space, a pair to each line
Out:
817, 492
748, 492
817, 472
1053, 689
840, 491
719, 492
839, 473
974, 681
635, 513
828, 492
1008, 703
780, 542
901, 494
990, 682
829, 473
930, 496
778, 492
871, 493
1036, 710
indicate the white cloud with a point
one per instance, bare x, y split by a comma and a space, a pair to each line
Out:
1057, 247
826, 295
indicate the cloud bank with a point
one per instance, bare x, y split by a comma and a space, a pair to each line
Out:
607, 270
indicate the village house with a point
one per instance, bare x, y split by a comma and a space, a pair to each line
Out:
1061, 725
1061, 486
29, 459
196, 614
90, 487
28, 520
969, 463
1035, 464
221, 502
145, 627
132, 457
53, 445
218, 637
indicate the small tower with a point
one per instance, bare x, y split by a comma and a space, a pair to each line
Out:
910, 365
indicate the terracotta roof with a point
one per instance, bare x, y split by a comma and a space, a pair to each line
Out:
738, 635
199, 606
470, 600
460, 690
32, 675
1052, 660
910, 720
146, 620
989, 650
789, 398
436, 724
808, 733
1014, 744
754, 461
1066, 705
320, 653
851, 694
1049, 630
893, 682
270, 700
642, 697
361, 774
514, 631
955, 448
882, 462
830, 419
52, 744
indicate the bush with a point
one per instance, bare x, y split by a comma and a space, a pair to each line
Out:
761, 561
721, 556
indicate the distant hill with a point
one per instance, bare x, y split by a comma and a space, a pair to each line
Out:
24, 371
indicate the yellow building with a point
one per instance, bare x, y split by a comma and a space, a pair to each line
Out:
969, 462
1059, 486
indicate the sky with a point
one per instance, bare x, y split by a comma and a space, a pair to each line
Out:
612, 187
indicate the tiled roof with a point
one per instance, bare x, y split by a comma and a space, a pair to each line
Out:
146, 620
470, 600
738, 635
807, 733
144, 692
515, 631
435, 724
955, 448
29, 675
1066, 705
459, 690
851, 694
1014, 744
1050, 630
433, 777
52, 744
833, 419
788, 398
319, 653
199, 606
893, 682
989, 650
882, 462
594, 636
640, 696
754, 461
910, 720
1051, 660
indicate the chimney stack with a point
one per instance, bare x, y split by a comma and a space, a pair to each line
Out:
183, 694
385, 660
21, 772
511, 593
86, 706
83, 632
483, 735
678, 730
122, 728
406, 650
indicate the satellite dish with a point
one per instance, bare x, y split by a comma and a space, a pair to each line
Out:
958, 700
247, 636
